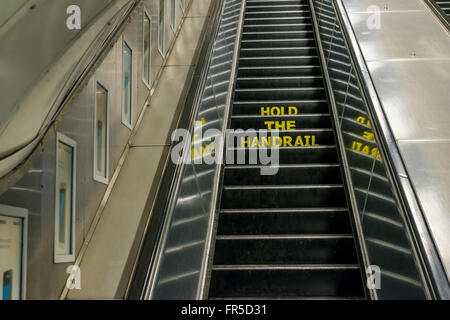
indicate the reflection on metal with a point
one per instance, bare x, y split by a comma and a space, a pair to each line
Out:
385, 240
179, 268
422, 218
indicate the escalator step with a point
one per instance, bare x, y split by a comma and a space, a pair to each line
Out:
312, 121
284, 249
277, 62
302, 106
294, 174
280, 93
278, 43
289, 282
279, 71
294, 155
284, 221
278, 82
276, 196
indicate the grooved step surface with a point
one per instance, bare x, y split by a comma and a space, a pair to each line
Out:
286, 235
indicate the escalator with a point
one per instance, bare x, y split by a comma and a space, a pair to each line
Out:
287, 235
445, 6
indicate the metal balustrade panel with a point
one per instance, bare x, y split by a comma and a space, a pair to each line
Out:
383, 224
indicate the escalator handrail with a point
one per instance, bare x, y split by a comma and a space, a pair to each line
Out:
436, 276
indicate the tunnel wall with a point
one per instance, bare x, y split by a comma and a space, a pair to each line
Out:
32, 186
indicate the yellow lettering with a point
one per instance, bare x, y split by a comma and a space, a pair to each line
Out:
307, 141
290, 125
313, 138
255, 142
265, 142
269, 124
280, 125
245, 142
299, 141
287, 141
368, 135
277, 144
361, 120
374, 152
293, 110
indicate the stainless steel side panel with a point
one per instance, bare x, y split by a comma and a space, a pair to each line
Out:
391, 5
403, 35
380, 222
429, 168
408, 58
415, 96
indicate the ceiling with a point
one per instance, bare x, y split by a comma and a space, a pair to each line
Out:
33, 36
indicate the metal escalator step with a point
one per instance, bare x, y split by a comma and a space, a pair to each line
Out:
273, 283
311, 120
274, 2
302, 106
277, 27
287, 174
280, 93
278, 82
278, 52
279, 35
284, 249
277, 62
296, 155
307, 138
276, 196
279, 71
280, 18
273, 221
276, 43
285, 7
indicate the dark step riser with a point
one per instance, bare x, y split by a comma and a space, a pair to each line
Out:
296, 42
294, 155
309, 139
286, 283
255, 108
257, 223
279, 72
277, 28
288, 94
285, 251
273, 82
283, 198
278, 62
280, 18
285, 176
282, 123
